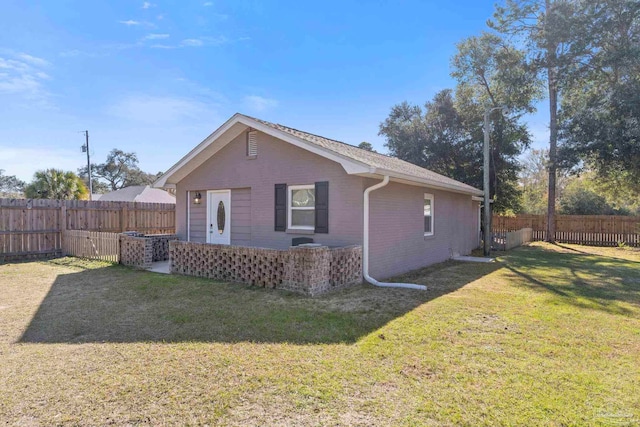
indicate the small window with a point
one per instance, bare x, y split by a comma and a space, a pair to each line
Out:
428, 214
302, 202
252, 143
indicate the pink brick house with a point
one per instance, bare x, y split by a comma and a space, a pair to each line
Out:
260, 184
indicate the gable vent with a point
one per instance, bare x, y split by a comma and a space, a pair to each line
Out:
252, 143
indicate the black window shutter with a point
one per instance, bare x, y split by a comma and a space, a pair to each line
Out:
322, 207
281, 207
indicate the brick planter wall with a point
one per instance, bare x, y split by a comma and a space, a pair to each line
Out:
136, 251
307, 270
346, 266
139, 250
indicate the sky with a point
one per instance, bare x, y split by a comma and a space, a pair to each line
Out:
157, 77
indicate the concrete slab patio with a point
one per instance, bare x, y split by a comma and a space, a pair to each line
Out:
163, 267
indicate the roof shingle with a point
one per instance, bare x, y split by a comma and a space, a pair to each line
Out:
372, 159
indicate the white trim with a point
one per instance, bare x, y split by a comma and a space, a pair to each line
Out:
188, 215
209, 147
290, 207
409, 179
227, 214
239, 123
365, 243
430, 197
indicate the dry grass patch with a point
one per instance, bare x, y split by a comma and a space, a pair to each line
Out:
547, 335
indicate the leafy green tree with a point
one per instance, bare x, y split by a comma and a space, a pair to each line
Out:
366, 146
118, 171
534, 182
56, 184
601, 105
10, 186
547, 29
618, 189
447, 138
621, 189
492, 73
496, 74
580, 198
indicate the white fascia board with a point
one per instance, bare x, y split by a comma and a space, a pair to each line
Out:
429, 183
191, 155
191, 161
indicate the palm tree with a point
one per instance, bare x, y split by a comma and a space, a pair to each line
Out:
56, 184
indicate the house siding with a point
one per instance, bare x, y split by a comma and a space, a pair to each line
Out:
198, 225
241, 217
397, 240
277, 162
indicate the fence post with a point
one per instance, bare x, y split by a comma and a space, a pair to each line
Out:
135, 217
63, 227
124, 218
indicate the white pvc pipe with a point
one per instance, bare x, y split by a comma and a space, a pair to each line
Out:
365, 244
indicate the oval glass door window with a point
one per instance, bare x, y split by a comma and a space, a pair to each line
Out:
221, 217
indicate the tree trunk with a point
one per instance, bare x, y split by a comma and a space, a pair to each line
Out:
552, 78
553, 145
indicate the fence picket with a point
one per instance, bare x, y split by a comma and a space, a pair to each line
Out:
595, 230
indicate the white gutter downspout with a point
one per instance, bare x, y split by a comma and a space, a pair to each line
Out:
365, 245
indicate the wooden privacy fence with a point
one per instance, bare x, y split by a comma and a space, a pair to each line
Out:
594, 230
34, 227
91, 244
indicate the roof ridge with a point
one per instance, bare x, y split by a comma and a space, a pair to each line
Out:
341, 142
388, 156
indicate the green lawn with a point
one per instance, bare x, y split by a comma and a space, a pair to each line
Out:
548, 335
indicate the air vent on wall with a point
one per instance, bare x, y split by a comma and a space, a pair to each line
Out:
252, 143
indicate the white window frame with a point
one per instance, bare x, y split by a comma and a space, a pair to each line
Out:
290, 207
429, 196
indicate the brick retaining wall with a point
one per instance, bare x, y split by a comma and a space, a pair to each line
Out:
307, 270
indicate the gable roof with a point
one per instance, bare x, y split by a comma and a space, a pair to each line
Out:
353, 159
138, 193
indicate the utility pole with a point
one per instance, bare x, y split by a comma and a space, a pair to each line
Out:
86, 149
485, 187
485, 184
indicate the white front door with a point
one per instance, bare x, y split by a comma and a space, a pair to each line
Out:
219, 217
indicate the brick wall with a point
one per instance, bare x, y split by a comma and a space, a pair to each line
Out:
160, 244
346, 266
307, 270
136, 251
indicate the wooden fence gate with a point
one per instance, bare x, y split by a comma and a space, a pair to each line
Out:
92, 245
